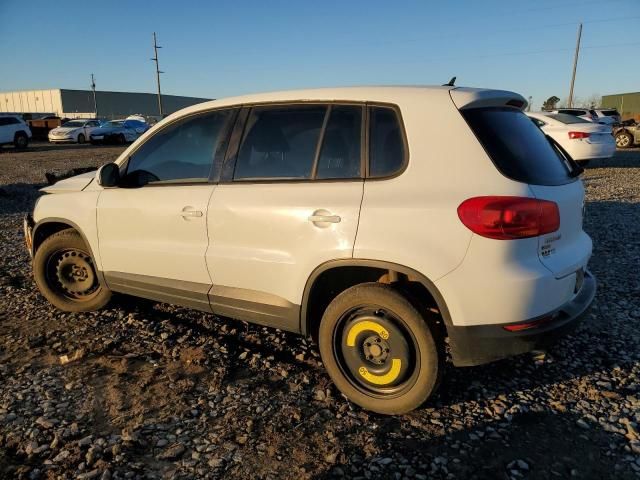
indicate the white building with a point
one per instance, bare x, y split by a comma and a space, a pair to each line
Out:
79, 103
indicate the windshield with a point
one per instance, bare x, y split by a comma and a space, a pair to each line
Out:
113, 124
73, 124
568, 119
516, 146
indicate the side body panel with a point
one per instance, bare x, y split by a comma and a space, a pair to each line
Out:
412, 219
79, 208
155, 231
262, 239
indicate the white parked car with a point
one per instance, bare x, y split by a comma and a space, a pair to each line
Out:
73, 131
468, 222
584, 113
14, 131
583, 140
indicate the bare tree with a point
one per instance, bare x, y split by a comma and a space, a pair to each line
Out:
550, 103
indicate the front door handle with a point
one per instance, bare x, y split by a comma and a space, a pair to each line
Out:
190, 212
322, 218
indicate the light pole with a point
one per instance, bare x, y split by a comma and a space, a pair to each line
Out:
158, 72
95, 103
575, 66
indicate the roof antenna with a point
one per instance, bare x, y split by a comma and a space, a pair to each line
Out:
450, 83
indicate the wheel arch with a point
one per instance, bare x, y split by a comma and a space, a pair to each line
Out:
48, 226
369, 269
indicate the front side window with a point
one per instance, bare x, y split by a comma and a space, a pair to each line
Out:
182, 151
280, 142
386, 146
340, 154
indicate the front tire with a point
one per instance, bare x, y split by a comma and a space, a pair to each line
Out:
66, 275
21, 141
379, 350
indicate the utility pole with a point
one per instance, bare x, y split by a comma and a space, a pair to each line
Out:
95, 103
529, 104
575, 66
158, 72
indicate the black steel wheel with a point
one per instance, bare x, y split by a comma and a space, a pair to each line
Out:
379, 349
66, 275
376, 351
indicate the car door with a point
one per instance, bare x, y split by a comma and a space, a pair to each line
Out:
6, 135
153, 228
89, 127
289, 200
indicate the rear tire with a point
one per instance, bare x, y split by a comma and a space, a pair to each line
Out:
379, 350
66, 275
624, 139
81, 139
21, 141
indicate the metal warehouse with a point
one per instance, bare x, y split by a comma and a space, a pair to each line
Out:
79, 103
628, 104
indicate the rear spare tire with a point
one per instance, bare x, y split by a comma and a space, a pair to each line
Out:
379, 350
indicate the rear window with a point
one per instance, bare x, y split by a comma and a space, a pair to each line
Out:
573, 112
519, 149
568, 119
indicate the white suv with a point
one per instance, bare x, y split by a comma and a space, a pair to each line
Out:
14, 131
354, 215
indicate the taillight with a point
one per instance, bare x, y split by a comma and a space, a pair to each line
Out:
507, 218
579, 135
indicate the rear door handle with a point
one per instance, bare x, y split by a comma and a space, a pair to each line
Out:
321, 218
190, 212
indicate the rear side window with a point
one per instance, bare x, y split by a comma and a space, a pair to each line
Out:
183, 151
386, 145
8, 121
340, 154
280, 142
610, 113
519, 149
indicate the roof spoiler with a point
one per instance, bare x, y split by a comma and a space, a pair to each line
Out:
464, 98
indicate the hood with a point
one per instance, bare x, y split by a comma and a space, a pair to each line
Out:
73, 184
64, 130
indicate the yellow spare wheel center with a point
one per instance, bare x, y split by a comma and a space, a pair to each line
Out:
396, 363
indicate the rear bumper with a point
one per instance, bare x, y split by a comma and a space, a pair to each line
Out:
592, 151
479, 344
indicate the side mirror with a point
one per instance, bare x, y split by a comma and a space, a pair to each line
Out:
108, 175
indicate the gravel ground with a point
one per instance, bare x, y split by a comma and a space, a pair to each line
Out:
155, 391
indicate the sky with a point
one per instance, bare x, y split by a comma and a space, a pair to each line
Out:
215, 49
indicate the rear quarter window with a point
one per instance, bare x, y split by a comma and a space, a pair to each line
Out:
518, 149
